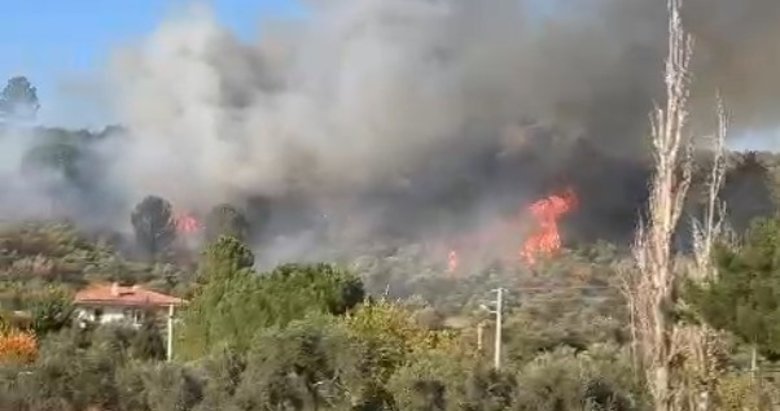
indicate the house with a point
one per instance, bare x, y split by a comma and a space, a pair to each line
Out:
113, 303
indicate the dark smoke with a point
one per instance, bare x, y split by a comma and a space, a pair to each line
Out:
415, 118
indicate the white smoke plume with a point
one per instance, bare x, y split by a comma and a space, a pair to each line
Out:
365, 93
379, 112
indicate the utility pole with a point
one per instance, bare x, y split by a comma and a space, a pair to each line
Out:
169, 351
499, 304
480, 332
498, 312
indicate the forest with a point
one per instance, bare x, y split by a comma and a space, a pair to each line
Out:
658, 291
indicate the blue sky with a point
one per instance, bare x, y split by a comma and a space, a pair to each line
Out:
51, 41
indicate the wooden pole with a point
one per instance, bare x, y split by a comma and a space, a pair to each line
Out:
480, 334
169, 351
497, 349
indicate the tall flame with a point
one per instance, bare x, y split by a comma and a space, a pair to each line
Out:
546, 240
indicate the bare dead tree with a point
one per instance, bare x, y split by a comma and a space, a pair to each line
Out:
652, 289
710, 228
702, 348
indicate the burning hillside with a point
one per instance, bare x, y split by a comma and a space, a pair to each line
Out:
403, 121
535, 228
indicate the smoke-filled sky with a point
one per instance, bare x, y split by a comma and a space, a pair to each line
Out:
382, 112
62, 46
368, 93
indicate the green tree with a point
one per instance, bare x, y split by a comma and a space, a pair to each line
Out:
225, 369
431, 382
233, 302
225, 219
297, 288
306, 366
225, 274
51, 311
563, 379
147, 343
172, 387
154, 225
486, 389
19, 99
386, 338
224, 258
745, 297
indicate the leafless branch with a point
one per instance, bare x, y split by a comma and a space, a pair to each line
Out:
651, 293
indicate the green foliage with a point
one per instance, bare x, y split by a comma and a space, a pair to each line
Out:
68, 376
489, 390
216, 313
37, 255
154, 225
306, 365
147, 343
19, 99
224, 258
431, 381
546, 321
233, 302
171, 387
386, 338
51, 239
565, 380
51, 311
745, 297
297, 288
225, 369
226, 219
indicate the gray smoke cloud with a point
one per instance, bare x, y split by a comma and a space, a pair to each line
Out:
366, 93
378, 111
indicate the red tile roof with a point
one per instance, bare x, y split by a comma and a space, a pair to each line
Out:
113, 294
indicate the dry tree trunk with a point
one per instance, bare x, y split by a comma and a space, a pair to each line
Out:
702, 347
651, 291
710, 229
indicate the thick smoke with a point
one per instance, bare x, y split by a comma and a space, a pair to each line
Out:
400, 116
21, 195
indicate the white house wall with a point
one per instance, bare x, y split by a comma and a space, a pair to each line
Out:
109, 315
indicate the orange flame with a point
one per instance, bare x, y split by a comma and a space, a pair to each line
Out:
546, 240
452, 261
186, 223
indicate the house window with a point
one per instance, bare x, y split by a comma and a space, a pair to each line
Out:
134, 315
97, 314
138, 316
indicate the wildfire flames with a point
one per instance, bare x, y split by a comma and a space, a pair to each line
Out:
543, 241
186, 223
546, 240
452, 261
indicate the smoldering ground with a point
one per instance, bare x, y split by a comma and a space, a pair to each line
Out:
416, 117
